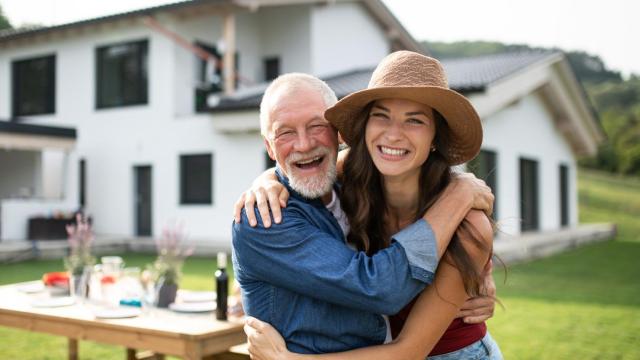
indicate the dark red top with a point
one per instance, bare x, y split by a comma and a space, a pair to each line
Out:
457, 335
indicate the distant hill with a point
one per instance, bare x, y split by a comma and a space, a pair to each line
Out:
588, 68
616, 100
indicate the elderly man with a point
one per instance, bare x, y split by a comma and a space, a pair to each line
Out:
299, 274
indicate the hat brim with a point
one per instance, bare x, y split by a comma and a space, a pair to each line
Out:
463, 120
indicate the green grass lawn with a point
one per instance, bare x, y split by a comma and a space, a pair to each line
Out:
584, 304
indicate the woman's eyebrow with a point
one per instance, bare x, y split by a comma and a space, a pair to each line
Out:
416, 113
381, 108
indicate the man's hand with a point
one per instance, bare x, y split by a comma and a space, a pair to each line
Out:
481, 308
268, 193
482, 197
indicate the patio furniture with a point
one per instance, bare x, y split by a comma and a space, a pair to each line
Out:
190, 336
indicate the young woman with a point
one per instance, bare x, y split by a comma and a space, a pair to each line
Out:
405, 131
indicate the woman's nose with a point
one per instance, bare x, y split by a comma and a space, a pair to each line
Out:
393, 131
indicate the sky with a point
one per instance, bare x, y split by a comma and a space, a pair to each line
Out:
604, 28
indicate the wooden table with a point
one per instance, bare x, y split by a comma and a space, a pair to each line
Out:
190, 336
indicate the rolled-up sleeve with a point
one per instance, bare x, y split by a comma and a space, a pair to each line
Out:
419, 243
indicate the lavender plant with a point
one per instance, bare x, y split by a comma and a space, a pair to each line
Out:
171, 255
80, 237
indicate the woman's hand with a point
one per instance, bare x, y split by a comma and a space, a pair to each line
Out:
265, 343
268, 193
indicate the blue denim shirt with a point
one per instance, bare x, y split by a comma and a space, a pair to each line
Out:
302, 278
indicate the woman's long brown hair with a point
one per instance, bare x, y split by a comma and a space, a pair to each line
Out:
364, 203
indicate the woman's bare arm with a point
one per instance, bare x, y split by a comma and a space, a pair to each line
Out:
268, 193
429, 318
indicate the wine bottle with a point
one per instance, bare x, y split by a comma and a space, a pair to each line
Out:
222, 287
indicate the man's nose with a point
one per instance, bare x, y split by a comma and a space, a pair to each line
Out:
304, 142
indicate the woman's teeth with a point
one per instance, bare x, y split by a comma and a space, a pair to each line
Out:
394, 152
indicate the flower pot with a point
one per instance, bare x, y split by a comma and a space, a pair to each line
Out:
166, 294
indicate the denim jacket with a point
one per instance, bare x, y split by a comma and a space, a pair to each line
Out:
301, 277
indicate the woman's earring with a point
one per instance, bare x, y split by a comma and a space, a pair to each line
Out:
433, 148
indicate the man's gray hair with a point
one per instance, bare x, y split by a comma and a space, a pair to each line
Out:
293, 82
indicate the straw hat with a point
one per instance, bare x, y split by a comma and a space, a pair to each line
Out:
412, 76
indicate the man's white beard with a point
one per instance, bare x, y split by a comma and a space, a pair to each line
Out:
312, 187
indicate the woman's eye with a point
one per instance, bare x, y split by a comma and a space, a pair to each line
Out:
416, 121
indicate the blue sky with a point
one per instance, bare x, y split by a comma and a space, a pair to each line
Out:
605, 28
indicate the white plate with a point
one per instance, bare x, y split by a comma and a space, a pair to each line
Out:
193, 307
188, 296
32, 287
53, 302
117, 313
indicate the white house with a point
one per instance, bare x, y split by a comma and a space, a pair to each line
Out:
164, 103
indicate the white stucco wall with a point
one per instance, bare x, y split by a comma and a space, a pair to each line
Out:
526, 129
306, 38
345, 37
286, 32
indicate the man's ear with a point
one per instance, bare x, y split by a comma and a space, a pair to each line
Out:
270, 150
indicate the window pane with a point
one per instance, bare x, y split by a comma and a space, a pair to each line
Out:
209, 76
529, 194
485, 167
122, 74
34, 86
195, 179
271, 68
564, 195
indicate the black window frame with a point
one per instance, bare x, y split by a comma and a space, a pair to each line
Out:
142, 61
185, 172
82, 183
485, 167
529, 208
49, 98
563, 173
201, 94
271, 63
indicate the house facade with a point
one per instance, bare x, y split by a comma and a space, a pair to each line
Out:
164, 104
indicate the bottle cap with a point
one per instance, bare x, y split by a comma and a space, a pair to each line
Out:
222, 260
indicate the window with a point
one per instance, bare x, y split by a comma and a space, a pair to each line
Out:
34, 86
210, 77
195, 179
82, 182
484, 166
529, 194
268, 162
271, 68
121, 74
564, 195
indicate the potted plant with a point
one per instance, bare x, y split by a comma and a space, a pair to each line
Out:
79, 261
166, 270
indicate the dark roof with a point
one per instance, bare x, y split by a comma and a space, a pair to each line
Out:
466, 75
11, 34
30, 129
475, 73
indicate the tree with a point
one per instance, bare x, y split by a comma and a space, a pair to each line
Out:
4, 22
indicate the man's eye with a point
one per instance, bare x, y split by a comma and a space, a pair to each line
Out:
285, 134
